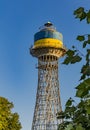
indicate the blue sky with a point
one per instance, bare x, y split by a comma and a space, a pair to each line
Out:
19, 21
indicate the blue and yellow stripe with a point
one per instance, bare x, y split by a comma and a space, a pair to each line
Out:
48, 42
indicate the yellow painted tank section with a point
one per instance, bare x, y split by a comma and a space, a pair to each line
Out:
48, 42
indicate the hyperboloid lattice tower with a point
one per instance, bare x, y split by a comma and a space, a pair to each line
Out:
48, 48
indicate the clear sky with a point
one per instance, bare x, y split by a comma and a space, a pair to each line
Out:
19, 21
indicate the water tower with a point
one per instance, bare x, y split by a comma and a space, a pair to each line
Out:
48, 48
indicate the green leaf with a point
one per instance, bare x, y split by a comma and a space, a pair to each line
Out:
72, 59
84, 44
80, 38
75, 59
73, 47
81, 93
83, 88
83, 16
89, 37
80, 13
60, 115
83, 77
88, 109
69, 102
69, 127
88, 17
79, 127
67, 60
81, 104
84, 84
85, 70
70, 53
80, 9
88, 57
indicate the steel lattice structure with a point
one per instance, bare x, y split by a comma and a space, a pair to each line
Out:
48, 94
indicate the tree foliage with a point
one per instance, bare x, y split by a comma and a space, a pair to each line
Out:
77, 116
8, 120
82, 14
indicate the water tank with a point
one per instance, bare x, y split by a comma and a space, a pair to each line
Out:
48, 36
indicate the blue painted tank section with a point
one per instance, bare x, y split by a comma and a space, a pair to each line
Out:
48, 34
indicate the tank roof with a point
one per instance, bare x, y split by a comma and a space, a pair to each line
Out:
48, 26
